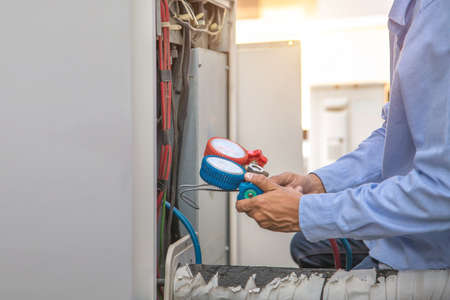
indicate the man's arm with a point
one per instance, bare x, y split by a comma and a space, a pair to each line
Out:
419, 201
358, 167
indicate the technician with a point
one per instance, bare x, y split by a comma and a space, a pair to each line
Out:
393, 192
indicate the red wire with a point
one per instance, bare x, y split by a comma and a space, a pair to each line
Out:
163, 10
159, 203
160, 162
161, 67
169, 104
163, 105
167, 41
165, 162
169, 161
336, 254
160, 53
164, 30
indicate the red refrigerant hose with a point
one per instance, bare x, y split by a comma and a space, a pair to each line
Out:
336, 254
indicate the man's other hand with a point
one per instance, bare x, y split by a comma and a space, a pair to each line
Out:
276, 209
309, 184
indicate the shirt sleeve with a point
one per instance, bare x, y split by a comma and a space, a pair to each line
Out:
357, 167
418, 201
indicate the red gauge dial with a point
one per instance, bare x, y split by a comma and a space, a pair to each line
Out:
228, 149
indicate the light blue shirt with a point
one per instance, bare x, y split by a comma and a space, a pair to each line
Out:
393, 192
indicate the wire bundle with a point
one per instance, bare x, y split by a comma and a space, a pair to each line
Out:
165, 162
166, 100
174, 92
210, 27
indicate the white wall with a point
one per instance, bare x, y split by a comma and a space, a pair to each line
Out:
337, 47
66, 210
344, 51
346, 55
352, 8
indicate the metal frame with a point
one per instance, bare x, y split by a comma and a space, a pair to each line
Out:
144, 148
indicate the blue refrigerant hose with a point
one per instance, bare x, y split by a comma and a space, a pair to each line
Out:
190, 229
349, 255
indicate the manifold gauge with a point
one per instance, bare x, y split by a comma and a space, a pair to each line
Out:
228, 149
221, 172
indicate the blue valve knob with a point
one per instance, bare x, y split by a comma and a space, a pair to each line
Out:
221, 172
248, 190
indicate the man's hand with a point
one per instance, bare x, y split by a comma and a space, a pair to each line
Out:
276, 209
309, 184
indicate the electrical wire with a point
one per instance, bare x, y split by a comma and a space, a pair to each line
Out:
179, 129
205, 189
190, 202
186, 188
172, 117
165, 93
336, 254
200, 187
182, 186
211, 19
190, 11
161, 232
348, 254
204, 30
191, 231
180, 115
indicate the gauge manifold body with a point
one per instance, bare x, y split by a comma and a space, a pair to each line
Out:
228, 149
248, 190
221, 172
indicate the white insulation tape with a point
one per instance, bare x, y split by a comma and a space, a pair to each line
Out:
359, 284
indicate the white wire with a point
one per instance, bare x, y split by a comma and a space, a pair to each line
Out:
204, 189
189, 201
190, 11
181, 186
211, 19
175, 16
194, 188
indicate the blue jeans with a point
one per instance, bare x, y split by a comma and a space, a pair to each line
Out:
319, 255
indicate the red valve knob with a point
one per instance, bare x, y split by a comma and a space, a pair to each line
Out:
258, 157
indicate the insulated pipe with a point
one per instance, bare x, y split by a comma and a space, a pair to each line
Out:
190, 229
348, 254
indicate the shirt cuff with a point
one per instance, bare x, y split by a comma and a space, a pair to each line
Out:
331, 183
317, 217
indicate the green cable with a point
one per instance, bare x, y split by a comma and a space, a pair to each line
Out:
161, 233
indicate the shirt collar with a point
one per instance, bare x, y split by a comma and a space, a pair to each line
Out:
399, 10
